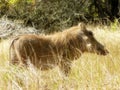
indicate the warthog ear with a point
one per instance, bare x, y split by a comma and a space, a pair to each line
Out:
82, 26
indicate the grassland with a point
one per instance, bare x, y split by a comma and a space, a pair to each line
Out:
90, 72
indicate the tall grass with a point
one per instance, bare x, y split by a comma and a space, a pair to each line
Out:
89, 72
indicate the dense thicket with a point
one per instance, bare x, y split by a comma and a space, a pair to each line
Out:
54, 15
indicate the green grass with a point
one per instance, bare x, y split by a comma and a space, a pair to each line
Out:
90, 72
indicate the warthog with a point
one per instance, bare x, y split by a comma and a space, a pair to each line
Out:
47, 51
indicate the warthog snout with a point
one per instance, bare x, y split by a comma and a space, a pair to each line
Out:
101, 50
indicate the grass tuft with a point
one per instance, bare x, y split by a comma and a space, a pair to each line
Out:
89, 72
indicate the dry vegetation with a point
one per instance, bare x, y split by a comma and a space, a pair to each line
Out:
90, 72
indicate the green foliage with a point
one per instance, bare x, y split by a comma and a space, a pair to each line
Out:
4, 6
55, 15
114, 25
12, 1
48, 15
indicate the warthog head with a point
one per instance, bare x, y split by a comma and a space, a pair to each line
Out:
90, 44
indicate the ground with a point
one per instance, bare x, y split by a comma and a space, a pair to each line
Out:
89, 72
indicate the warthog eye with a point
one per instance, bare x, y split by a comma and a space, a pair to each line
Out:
90, 33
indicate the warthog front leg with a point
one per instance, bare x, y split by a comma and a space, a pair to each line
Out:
65, 67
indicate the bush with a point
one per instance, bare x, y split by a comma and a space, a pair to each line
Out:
47, 15
55, 15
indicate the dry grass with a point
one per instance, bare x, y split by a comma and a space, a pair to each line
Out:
90, 72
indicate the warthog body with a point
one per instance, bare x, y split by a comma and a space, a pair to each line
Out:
47, 51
